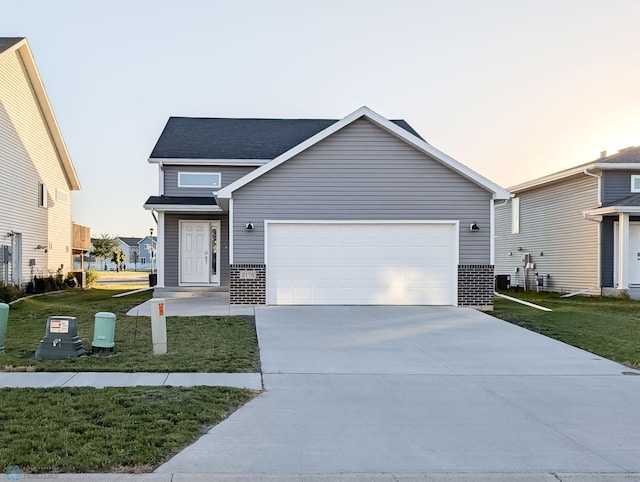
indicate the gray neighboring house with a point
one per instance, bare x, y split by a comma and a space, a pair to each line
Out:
309, 211
579, 228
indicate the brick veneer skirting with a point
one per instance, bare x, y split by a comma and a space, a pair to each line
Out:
475, 285
247, 284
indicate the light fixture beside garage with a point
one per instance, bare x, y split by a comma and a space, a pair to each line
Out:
474, 227
249, 227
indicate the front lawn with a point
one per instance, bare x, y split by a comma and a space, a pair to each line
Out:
196, 344
130, 429
609, 327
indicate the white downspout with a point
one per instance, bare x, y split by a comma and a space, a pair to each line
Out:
599, 177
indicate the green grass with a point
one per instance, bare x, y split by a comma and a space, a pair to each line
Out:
106, 430
195, 344
609, 327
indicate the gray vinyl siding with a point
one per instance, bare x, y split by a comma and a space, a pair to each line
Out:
561, 242
362, 173
607, 250
616, 185
172, 243
229, 174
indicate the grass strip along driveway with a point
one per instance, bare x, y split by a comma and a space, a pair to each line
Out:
195, 343
609, 327
116, 429
106, 430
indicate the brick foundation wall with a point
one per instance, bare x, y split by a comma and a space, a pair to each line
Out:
476, 285
247, 284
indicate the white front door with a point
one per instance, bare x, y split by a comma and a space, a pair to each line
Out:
199, 253
634, 254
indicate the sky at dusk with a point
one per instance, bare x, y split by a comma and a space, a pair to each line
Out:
513, 89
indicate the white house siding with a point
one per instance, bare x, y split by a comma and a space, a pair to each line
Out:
560, 241
363, 173
228, 174
28, 156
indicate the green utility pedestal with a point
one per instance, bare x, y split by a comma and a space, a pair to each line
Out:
4, 318
104, 333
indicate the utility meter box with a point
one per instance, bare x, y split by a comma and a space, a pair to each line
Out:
60, 339
104, 332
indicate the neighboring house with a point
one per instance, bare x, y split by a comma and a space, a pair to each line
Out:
307, 211
38, 175
129, 246
147, 250
579, 229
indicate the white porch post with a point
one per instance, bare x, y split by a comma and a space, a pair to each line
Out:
160, 250
623, 251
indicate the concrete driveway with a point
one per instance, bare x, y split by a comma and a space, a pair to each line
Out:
410, 390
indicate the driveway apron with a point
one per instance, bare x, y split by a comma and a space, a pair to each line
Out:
362, 389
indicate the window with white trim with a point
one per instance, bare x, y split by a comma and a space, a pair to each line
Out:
515, 215
42, 195
635, 183
199, 179
62, 196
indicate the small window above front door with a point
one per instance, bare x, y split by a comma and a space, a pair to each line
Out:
199, 179
635, 183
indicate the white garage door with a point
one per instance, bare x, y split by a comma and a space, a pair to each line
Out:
361, 263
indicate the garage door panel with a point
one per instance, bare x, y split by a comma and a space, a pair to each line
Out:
360, 263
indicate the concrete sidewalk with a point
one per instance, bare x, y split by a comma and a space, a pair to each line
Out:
214, 304
251, 381
364, 477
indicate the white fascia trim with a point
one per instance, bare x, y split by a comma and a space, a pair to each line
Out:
551, 178
617, 166
180, 208
612, 210
207, 162
26, 56
498, 192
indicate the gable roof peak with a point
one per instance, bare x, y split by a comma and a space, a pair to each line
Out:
7, 42
392, 127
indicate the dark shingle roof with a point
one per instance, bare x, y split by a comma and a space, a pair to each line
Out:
129, 241
633, 200
628, 155
223, 138
8, 42
181, 200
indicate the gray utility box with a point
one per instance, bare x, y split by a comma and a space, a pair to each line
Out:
60, 339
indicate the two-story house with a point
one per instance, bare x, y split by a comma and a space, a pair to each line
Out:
578, 229
311, 211
147, 251
37, 174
